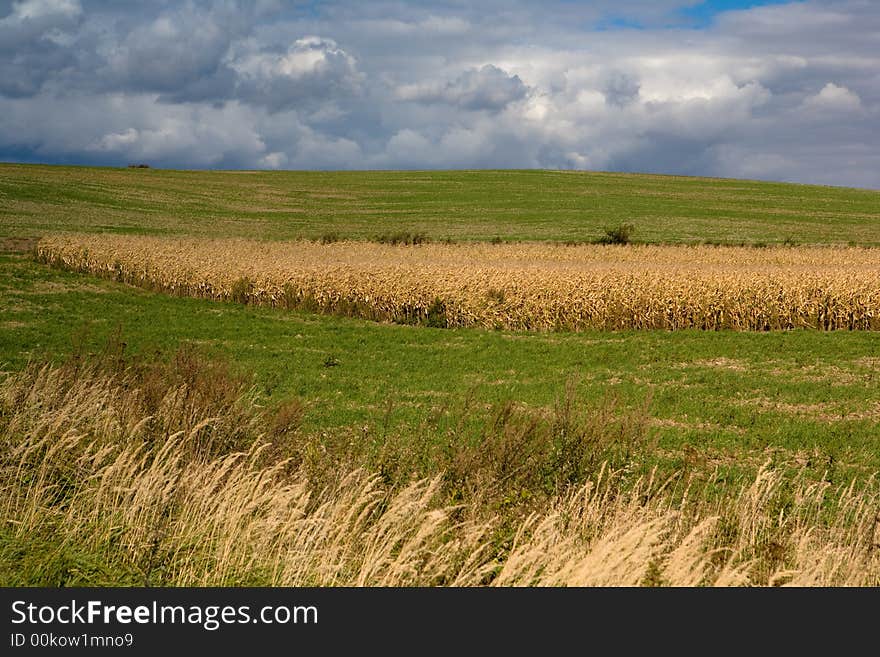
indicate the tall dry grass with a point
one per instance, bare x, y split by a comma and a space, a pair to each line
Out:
514, 286
95, 491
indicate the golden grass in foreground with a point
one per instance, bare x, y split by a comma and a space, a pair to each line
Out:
512, 286
93, 492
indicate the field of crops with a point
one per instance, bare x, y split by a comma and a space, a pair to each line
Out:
300, 446
525, 286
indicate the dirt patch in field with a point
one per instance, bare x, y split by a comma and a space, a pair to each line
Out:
765, 404
257, 209
19, 306
730, 364
18, 244
823, 372
828, 374
821, 411
820, 373
11, 325
670, 423
706, 461
331, 195
723, 363
56, 287
546, 338
871, 413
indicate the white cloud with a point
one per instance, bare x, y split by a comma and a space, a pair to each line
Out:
408, 148
430, 25
311, 70
276, 160
795, 18
124, 128
834, 98
307, 56
117, 141
37, 9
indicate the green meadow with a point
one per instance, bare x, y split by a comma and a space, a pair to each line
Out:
733, 399
714, 397
758, 434
457, 205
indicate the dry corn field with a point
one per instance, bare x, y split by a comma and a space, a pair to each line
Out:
526, 286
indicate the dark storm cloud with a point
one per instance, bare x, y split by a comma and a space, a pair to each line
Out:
486, 88
785, 92
34, 43
620, 89
173, 51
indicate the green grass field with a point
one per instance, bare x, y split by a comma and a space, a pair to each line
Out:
459, 205
511, 422
722, 395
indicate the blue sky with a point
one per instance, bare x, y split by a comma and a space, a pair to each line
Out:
704, 13
693, 14
769, 90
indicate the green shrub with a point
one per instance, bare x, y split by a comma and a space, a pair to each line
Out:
403, 238
242, 290
437, 314
621, 234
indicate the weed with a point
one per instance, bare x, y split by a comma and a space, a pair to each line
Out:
621, 234
402, 238
242, 290
435, 315
96, 493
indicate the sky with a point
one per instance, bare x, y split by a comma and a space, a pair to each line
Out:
786, 91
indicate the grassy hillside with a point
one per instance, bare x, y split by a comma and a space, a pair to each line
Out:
461, 205
729, 454
161, 477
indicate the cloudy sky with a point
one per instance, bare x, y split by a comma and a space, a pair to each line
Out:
768, 90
